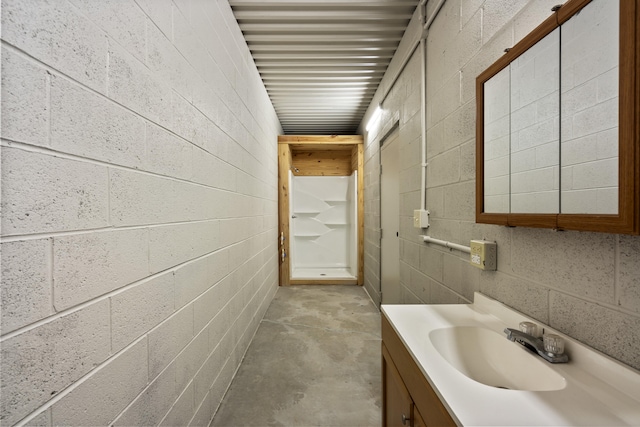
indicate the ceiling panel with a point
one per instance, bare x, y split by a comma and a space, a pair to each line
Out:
322, 61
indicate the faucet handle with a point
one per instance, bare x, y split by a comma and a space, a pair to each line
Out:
529, 328
553, 344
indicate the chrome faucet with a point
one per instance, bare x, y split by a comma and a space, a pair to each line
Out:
536, 345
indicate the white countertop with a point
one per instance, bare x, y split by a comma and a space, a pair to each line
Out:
599, 390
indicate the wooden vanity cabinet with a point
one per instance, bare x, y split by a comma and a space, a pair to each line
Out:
418, 421
398, 406
407, 397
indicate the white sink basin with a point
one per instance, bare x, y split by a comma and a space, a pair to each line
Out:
491, 359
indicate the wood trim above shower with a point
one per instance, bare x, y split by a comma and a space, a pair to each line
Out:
321, 140
321, 162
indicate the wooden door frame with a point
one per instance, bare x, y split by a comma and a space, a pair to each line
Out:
287, 145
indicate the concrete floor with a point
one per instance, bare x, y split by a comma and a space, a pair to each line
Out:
315, 361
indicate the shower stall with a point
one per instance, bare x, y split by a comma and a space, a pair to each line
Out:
323, 227
321, 209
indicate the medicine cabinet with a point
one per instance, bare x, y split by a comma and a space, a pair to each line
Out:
558, 123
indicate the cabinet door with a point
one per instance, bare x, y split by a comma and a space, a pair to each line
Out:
396, 401
433, 412
418, 421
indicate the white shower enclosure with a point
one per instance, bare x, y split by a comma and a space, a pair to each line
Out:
323, 227
321, 209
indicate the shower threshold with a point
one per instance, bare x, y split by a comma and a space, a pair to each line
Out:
321, 274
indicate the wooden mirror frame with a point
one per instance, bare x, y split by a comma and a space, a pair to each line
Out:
627, 221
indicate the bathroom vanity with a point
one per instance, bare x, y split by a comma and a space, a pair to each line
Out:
406, 392
446, 365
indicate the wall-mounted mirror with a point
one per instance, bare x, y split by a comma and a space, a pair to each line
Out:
558, 121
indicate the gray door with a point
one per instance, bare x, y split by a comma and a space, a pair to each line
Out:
390, 220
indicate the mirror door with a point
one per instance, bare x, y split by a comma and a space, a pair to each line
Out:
589, 55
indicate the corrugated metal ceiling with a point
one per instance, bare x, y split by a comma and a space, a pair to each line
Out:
322, 60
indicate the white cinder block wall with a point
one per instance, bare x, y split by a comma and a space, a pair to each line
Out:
139, 210
584, 284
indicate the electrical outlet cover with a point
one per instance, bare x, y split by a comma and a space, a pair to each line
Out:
484, 254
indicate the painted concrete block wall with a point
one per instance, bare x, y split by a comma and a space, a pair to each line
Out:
139, 210
408, 122
584, 284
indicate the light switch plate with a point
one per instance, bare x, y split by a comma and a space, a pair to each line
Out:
421, 218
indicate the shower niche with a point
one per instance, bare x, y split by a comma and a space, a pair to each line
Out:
321, 209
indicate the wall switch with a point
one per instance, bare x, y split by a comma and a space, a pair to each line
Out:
421, 218
484, 254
